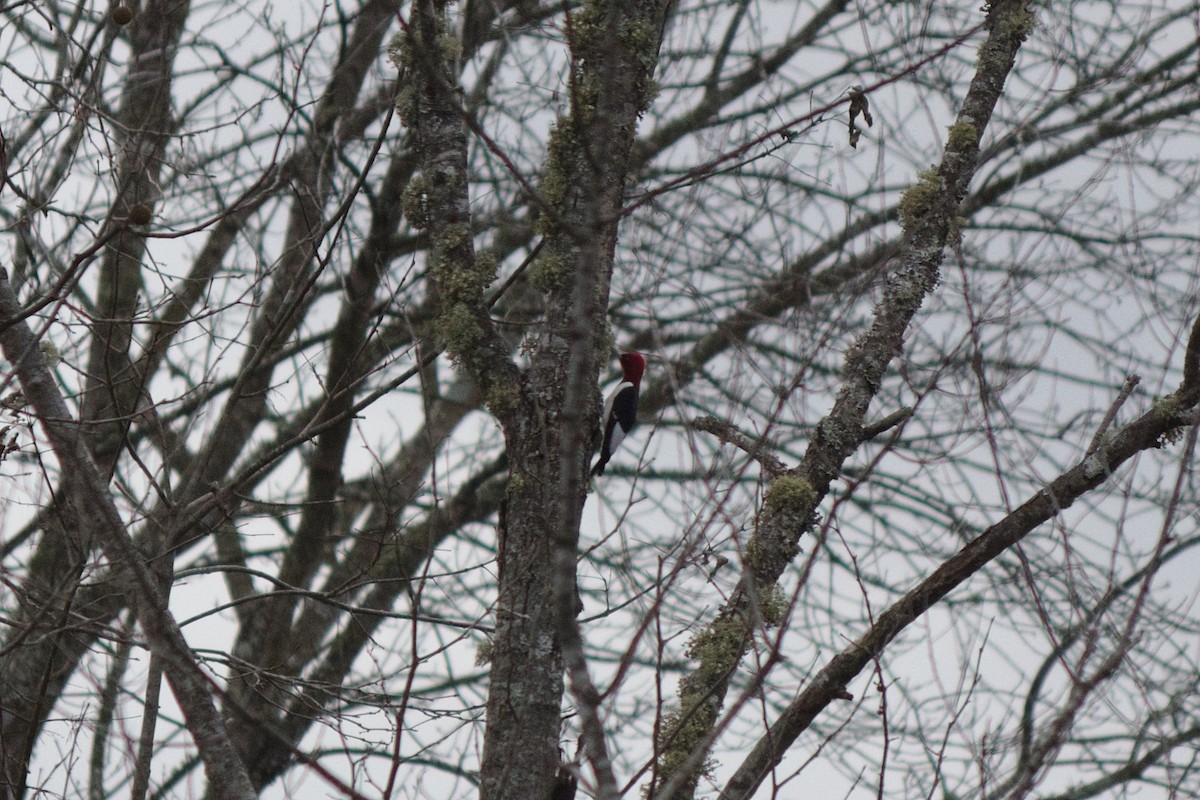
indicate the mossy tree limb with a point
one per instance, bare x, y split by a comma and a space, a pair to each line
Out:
429, 106
929, 213
614, 49
548, 411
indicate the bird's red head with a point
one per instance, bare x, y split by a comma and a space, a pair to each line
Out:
633, 365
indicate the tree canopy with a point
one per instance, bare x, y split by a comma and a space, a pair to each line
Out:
305, 313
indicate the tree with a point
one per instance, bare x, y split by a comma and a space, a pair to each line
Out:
303, 314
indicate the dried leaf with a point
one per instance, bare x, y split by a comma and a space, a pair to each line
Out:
859, 105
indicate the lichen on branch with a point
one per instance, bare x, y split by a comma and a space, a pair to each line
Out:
929, 214
438, 200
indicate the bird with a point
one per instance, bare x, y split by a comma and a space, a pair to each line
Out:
565, 782
620, 409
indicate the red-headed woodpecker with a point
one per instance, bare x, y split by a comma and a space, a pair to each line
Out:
620, 409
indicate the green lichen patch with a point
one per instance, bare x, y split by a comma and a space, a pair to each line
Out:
1019, 24
1169, 406
962, 136
1015, 25
921, 199
718, 648
772, 605
502, 400
449, 46
415, 203
50, 353
395, 51
563, 161
681, 732
549, 272
790, 494
458, 330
